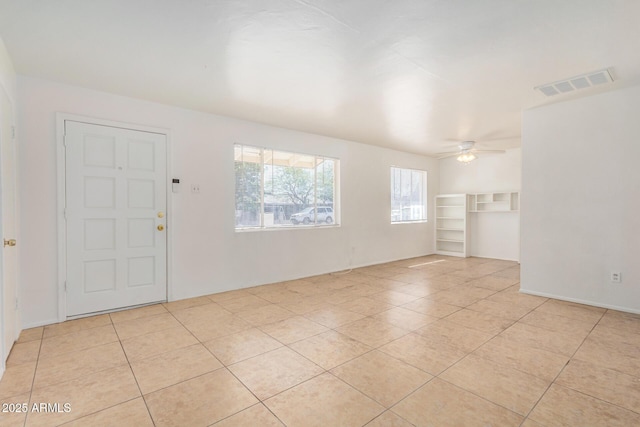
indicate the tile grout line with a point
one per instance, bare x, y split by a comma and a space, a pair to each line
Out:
33, 380
381, 288
94, 372
473, 351
587, 394
467, 355
223, 366
132, 372
563, 368
481, 397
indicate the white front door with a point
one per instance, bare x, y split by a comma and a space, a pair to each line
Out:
115, 217
8, 226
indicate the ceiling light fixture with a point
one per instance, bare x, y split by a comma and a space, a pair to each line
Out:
582, 81
466, 157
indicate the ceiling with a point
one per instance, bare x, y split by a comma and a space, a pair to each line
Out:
413, 75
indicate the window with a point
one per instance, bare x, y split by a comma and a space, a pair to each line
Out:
277, 189
408, 195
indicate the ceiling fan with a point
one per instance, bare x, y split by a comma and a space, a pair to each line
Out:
466, 153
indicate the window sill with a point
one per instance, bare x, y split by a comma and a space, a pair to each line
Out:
422, 221
292, 227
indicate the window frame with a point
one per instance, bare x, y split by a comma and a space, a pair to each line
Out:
424, 195
315, 205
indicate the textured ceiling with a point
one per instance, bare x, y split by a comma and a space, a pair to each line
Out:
411, 75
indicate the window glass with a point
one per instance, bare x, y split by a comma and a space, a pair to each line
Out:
408, 195
248, 184
283, 189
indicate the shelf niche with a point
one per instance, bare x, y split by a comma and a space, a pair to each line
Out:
494, 202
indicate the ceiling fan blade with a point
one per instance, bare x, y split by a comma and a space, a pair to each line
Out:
504, 138
496, 136
462, 146
489, 151
448, 149
445, 155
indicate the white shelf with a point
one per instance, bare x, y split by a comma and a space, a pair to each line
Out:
451, 253
508, 201
451, 225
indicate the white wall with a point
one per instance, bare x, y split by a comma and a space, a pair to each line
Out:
581, 200
491, 234
207, 254
7, 73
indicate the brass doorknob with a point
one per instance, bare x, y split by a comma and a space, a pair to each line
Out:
160, 227
160, 214
9, 242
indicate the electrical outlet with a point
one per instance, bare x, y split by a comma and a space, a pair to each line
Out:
195, 188
616, 277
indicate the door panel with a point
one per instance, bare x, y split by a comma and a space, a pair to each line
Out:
115, 201
8, 225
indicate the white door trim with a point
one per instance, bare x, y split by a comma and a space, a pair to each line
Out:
17, 324
61, 118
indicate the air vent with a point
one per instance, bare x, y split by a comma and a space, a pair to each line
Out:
580, 83
576, 83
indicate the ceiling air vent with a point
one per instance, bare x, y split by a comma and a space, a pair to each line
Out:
582, 81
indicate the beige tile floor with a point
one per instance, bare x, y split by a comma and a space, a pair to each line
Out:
448, 343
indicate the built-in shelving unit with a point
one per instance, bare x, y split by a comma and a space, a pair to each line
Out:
494, 202
451, 224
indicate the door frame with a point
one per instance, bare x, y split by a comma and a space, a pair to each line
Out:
17, 325
61, 118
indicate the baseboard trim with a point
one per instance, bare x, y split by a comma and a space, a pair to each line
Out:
580, 301
40, 323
